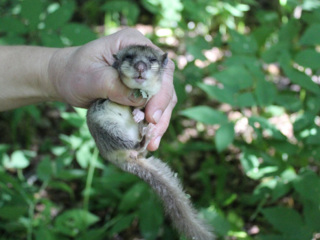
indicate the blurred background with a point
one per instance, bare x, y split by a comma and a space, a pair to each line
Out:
244, 137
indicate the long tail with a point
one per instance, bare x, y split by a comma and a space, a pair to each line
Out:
161, 178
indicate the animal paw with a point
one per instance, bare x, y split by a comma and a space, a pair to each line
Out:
147, 133
133, 155
138, 115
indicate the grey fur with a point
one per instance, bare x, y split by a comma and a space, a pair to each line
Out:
108, 134
122, 141
168, 187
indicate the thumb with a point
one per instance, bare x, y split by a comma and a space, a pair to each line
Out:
116, 91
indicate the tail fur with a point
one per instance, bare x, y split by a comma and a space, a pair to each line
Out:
164, 182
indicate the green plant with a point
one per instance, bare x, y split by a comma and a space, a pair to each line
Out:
244, 136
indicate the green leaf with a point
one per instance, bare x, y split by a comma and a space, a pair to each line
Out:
75, 221
151, 218
51, 39
236, 77
309, 5
276, 187
84, 155
10, 24
313, 138
12, 40
94, 234
196, 45
205, 115
267, 17
311, 212
263, 123
59, 185
276, 237
262, 33
285, 220
132, 198
224, 136
229, 95
193, 73
77, 34
73, 119
289, 31
4, 148
242, 44
265, 92
13, 212
311, 17
225, 95
302, 79
151, 6
58, 15
127, 8
275, 111
245, 99
272, 53
18, 160
308, 186
250, 163
280, 190
30, 11
303, 121
73, 140
311, 36
44, 233
247, 62
308, 58
216, 219
44, 169
71, 174
313, 104
124, 222
289, 100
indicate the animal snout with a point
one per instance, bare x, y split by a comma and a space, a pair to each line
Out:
140, 66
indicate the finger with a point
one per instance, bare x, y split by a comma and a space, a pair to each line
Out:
131, 36
125, 38
158, 103
111, 87
163, 125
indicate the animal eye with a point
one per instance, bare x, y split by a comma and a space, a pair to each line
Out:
128, 57
152, 59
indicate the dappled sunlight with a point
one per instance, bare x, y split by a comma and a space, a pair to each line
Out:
244, 137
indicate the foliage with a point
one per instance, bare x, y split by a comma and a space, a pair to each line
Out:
244, 137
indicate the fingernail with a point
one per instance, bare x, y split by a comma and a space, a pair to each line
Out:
157, 115
156, 142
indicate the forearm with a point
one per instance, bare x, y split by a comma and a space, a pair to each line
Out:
24, 76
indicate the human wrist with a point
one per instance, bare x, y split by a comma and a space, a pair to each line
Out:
54, 74
44, 83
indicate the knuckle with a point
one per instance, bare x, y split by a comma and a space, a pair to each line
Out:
131, 31
174, 100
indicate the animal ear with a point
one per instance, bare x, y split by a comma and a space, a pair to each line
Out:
164, 59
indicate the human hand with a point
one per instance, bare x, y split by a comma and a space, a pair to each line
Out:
83, 74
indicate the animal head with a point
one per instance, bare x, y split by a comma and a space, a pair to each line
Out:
141, 67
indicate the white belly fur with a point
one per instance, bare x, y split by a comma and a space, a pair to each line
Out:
122, 116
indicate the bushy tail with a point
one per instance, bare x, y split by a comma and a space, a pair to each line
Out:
161, 178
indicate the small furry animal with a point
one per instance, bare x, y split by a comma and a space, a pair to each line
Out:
122, 136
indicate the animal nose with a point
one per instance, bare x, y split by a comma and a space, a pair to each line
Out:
140, 66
